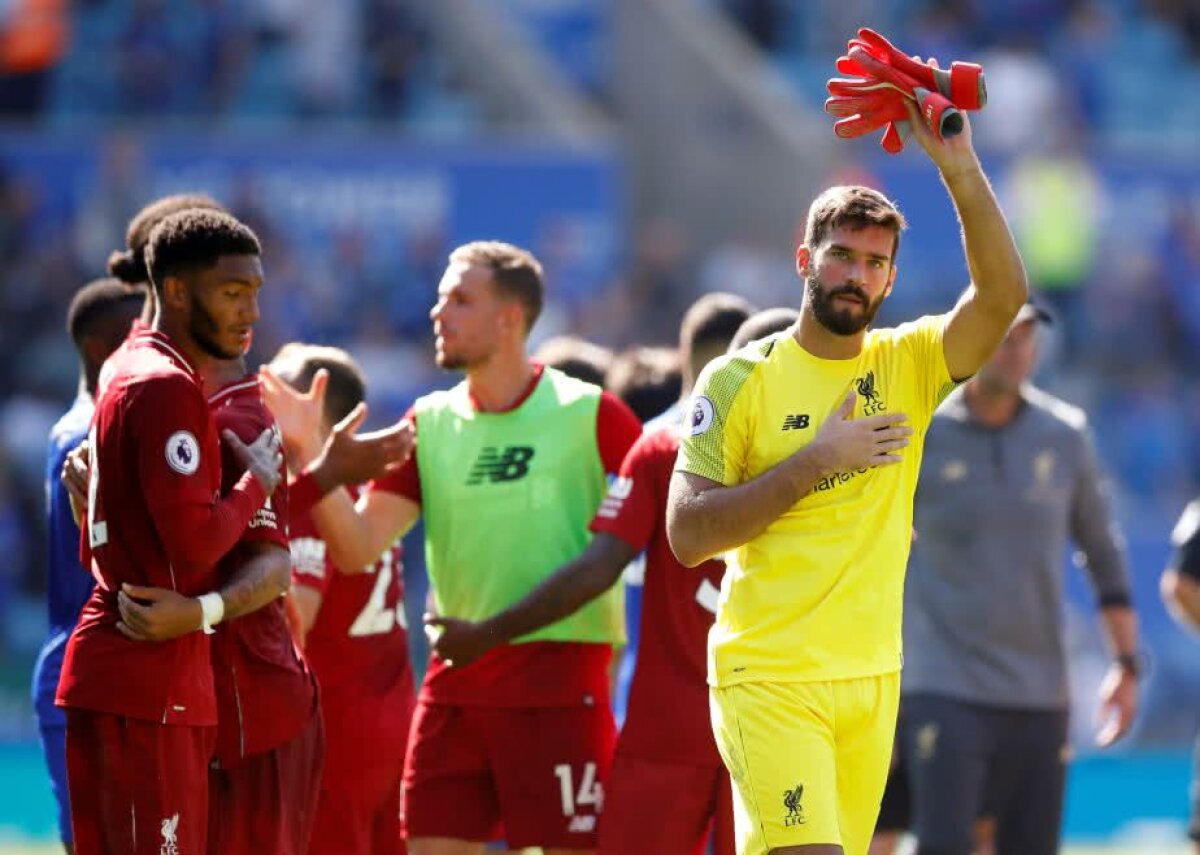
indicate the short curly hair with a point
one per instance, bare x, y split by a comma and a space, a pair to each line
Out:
194, 239
129, 265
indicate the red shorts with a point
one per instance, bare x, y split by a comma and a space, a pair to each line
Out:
533, 776
137, 787
267, 802
659, 806
359, 809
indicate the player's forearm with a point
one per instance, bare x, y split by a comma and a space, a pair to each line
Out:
1181, 596
997, 272
352, 543
570, 588
197, 537
259, 581
703, 524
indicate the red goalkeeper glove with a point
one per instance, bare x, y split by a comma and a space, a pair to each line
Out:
963, 83
883, 77
940, 114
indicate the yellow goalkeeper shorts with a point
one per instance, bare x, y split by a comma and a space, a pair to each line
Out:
808, 760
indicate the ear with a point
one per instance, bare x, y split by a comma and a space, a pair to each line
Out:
803, 261
512, 317
887, 292
174, 293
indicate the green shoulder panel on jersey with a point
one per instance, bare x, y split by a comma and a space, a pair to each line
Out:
717, 389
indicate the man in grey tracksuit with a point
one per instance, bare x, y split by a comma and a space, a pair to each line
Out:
1009, 477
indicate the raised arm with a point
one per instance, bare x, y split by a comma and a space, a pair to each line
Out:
706, 518
998, 288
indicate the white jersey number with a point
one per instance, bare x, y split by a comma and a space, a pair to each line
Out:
377, 617
590, 791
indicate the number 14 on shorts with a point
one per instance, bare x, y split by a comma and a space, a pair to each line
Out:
589, 793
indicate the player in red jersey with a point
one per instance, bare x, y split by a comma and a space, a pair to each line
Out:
510, 466
140, 717
263, 784
668, 791
355, 637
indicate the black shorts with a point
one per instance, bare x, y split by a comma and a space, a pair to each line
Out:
967, 760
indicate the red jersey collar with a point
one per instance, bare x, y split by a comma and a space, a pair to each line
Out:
163, 344
538, 369
233, 387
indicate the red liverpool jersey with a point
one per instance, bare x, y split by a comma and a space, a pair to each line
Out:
667, 717
358, 645
265, 693
153, 519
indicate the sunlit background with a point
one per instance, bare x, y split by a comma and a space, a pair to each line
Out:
647, 151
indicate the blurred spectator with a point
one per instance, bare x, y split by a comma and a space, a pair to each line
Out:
16, 526
33, 39
1025, 96
647, 379
147, 60
576, 357
1057, 204
325, 55
393, 44
762, 20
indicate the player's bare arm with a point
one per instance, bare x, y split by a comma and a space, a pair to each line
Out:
1119, 690
998, 288
306, 603
572, 586
160, 614
74, 478
356, 534
347, 456
706, 518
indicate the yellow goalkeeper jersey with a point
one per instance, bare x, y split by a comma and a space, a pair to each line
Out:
819, 594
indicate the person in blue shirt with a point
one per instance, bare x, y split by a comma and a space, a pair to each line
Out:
98, 320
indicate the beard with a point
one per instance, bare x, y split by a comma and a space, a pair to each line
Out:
203, 329
841, 321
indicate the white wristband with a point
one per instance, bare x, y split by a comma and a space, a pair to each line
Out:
212, 607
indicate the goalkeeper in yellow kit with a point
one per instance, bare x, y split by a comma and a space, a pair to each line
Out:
800, 460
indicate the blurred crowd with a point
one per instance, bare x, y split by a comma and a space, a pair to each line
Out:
1082, 67
220, 60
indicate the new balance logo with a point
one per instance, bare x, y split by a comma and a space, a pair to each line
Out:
583, 824
795, 422
495, 466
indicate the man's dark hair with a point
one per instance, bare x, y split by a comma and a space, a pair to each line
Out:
299, 363
515, 272
94, 301
762, 324
576, 357
710, 322
193, 240
130, 265
853, 207
647, 379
